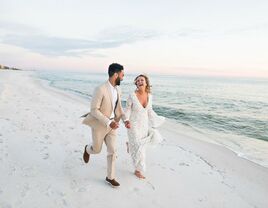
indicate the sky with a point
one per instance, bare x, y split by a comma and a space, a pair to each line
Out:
202, 38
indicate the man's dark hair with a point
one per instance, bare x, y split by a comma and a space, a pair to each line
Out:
114, 68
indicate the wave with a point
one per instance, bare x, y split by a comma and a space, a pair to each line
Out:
253, 128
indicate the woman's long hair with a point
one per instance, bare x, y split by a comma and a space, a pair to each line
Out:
148, 85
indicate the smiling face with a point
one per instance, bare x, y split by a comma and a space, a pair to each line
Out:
141, 82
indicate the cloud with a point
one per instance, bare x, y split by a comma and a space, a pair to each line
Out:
259, 28
127, 34
35, 41
197, 33
54, 45
190, 32
11, 27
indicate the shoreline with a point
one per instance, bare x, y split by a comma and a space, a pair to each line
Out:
45, 85
51, 173
202, 137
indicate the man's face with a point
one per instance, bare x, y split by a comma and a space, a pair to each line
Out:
119, 77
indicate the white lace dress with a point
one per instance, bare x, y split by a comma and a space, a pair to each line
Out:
143, 121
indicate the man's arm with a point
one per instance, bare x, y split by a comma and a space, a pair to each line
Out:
95, 106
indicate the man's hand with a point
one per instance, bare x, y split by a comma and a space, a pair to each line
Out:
114, 125
127, 124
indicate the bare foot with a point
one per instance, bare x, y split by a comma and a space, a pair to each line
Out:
139, 175
127, 147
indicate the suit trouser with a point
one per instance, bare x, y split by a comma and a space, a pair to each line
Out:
107, 135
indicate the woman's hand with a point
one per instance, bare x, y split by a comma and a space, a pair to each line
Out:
127, 124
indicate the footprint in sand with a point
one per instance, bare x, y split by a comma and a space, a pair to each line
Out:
47, 137
12, 170
28, 171
184, 164
61, 202
59, 199
78, 151
73, 184
44, 148
202, 199
82, 189
49, 191
149, 184
45, 156
161, 166
136, 190
25, 189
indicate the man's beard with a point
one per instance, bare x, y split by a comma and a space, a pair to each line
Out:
117, 81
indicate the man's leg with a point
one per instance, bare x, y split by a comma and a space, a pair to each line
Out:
110, 141
97, 141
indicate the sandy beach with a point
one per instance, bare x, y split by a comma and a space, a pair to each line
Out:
41, 147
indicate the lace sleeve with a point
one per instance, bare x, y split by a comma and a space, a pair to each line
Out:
128, 107
154, 119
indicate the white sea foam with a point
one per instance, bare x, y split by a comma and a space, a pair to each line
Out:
251, 149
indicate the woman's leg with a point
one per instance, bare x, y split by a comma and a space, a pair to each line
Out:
139, 174
141, 166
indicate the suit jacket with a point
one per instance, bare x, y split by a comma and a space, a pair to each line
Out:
101, 107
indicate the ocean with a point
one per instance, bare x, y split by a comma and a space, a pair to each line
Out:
232, 112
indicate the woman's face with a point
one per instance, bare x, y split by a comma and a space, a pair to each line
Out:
141, 82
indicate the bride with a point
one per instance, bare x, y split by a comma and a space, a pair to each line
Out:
143, 122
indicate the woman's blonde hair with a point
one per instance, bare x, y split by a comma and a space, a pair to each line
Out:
148, 85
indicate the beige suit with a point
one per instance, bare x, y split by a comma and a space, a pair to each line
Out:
98, 119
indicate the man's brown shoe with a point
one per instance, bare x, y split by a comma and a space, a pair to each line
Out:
86, 155
113, 182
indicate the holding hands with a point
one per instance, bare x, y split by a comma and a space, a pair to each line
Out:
114, 125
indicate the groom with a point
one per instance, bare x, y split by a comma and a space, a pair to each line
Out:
104, 117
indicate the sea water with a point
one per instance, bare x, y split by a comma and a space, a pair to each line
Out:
232, 112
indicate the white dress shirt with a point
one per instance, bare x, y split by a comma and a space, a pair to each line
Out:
114, 98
